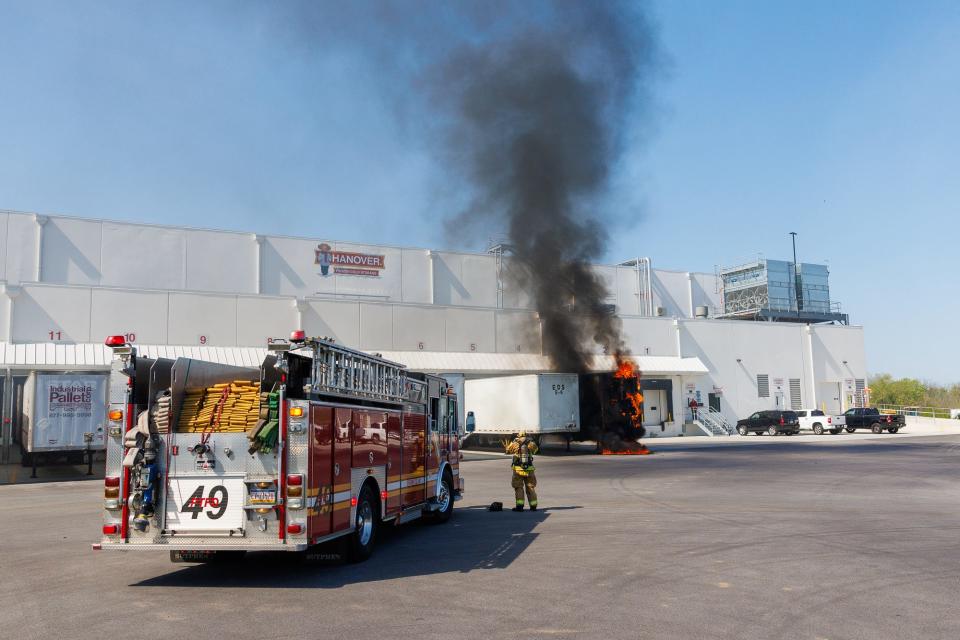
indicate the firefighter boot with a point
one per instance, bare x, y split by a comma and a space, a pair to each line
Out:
517, 483
530, 484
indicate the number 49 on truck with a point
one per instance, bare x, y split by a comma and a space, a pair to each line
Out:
320, 442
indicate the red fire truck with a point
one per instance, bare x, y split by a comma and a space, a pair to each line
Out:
345, 443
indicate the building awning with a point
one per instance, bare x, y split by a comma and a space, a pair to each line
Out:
88, 356
501, 363
47, 356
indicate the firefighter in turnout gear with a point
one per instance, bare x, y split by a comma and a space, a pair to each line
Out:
522, 448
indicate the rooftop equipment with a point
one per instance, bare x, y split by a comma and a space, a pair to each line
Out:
779, 291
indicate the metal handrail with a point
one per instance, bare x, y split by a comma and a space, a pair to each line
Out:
921, 412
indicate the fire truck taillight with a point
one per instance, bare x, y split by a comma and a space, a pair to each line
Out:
115, 415
295, 491
353, 502
294, 528
115, 341
111, 529
383, 495
111, 492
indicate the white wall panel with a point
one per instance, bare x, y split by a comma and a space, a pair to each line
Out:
290, 268
705, 291
608, 278
143, 257
4, 222
262, 318
671, 291
628, 300
650, 336
21, 254
415, 276
470, 330
141, 315
832, 345
515, 296
518, 332
376, 327
418, 328
39, 311
198, 319
225, 262
478, 275
71, 251
337, 320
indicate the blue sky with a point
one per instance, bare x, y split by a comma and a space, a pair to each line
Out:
837, 120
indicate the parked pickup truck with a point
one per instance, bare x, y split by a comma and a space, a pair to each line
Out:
818, 422
874, 420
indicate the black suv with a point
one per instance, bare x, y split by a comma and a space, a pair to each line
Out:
773, 422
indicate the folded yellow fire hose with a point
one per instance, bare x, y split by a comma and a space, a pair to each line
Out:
236, 404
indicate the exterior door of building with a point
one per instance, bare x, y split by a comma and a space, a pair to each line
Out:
713, 400
829, 395
778, 400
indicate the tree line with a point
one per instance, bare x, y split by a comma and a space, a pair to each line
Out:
885, 389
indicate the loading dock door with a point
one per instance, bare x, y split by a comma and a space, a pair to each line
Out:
654, 407
829, 395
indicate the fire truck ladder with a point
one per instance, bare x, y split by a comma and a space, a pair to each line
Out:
342, 371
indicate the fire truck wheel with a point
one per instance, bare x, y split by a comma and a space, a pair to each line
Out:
365, 534
445, 500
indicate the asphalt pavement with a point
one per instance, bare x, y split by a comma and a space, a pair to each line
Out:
791, 540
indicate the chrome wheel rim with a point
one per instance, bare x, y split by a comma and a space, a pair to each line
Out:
444, 498
365, 523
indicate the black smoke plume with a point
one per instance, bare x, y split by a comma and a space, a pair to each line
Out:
527, 104
535, 121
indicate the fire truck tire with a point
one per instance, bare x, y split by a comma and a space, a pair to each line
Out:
360, 546
443, 514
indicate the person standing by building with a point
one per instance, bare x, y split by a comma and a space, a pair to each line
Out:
694, 406
524, 479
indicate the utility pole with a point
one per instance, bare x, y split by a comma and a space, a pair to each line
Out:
798, 292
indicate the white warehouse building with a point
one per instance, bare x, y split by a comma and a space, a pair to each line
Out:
69, 282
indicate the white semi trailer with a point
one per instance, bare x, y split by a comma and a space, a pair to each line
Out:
540, 404
62, 415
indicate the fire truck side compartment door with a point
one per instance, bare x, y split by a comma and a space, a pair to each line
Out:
342, 454
394, 464
320, 489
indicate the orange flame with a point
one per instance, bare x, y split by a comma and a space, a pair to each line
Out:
641, 450
626, 370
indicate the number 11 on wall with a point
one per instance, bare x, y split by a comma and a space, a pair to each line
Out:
55, 335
